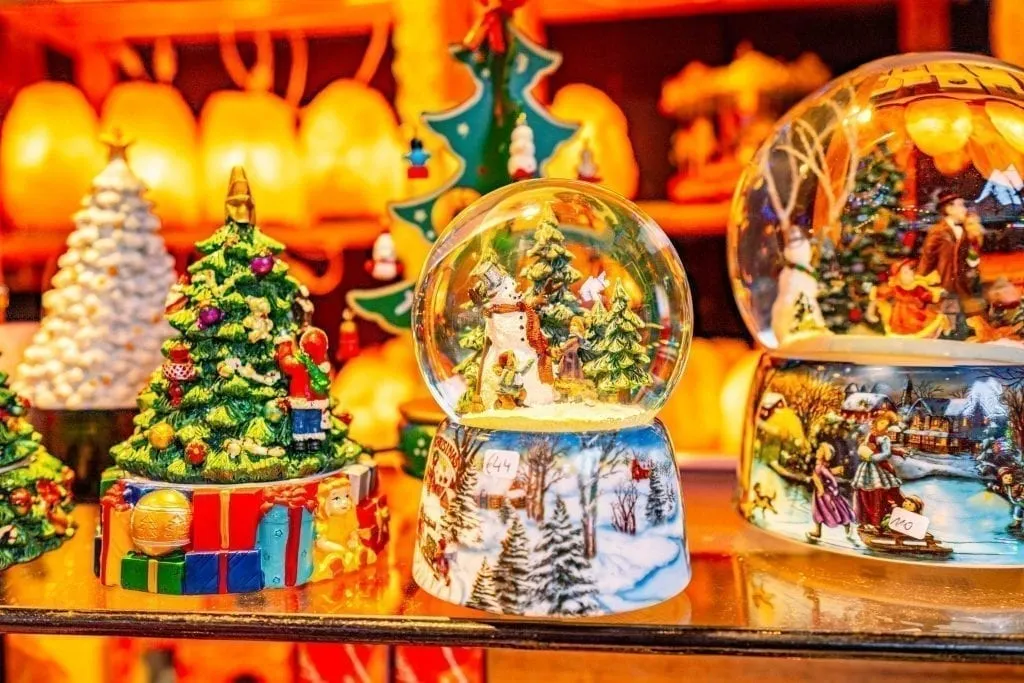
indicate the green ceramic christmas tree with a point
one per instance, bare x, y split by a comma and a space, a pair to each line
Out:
620, 359
506, 66
242, 396
35, 487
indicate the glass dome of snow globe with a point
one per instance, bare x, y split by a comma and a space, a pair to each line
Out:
884, 215
554, 306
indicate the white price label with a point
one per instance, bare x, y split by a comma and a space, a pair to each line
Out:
908, 523
501, 464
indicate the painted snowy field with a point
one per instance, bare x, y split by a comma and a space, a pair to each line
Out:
629, 571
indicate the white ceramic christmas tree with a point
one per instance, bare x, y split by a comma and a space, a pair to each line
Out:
103, 321
522, 153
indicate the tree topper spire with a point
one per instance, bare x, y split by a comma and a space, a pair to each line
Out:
117, 144
238, 206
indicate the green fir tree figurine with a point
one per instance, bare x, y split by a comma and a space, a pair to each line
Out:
35, 487
550, 278
506, 66
872, 240
242, 394
620, 362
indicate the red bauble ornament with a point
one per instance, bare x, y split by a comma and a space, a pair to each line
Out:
21, 499
175, 392
345, 417
855, 315
195, 452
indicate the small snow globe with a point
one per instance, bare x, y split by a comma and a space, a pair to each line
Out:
876, 249
552, 320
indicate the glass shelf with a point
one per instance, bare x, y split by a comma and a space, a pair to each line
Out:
751, 594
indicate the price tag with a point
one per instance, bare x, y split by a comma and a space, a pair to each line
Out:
501, 464
908, 523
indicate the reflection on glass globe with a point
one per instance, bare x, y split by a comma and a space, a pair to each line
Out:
552, 305
884, 214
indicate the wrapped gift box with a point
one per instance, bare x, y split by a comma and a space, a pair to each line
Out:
225, 520
363, 477
222, 571
114, 533
374, 523
440, 664
339, 663
154, 574
285, 536
134, 490
109, 477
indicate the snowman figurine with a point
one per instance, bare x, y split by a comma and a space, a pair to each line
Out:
511, 325
796, 309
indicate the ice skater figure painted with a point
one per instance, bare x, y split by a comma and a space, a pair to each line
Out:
796, 309
829, 507
876, 486
511, 325
907, 303
1011, 487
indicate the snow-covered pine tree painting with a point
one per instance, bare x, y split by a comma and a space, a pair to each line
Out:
562, 577
658, 502
534, 522
103, 321
485, 594
512, 573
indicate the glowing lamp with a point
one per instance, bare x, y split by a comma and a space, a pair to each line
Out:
49, 154
939, 125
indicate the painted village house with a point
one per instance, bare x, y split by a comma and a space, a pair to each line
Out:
865, 405
947, 426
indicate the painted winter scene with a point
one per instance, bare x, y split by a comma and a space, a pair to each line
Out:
837, 448
890, 205
555, 309
551, 524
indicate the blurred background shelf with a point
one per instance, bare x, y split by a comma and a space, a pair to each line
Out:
750, 595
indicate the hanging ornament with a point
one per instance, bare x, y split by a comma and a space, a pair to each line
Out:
522, 154
348, 338
384, 263
178, 368
195, 452
21, 499
417, 158
262, 265
209, 316
273, 411
161, 435
587, 168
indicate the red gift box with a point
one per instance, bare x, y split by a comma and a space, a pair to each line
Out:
337, 663
225, 520
439, 664
115, 530
374, 522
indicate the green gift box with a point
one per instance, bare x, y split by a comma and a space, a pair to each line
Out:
154, 574
109, 476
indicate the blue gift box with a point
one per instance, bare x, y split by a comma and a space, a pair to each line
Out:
222, 571
285, 540
134, 490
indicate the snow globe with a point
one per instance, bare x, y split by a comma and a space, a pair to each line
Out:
102, 323
552, 320
876, 249
240, 474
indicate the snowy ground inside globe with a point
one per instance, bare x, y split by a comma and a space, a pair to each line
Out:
560, 417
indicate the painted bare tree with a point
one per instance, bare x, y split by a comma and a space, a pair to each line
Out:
542, 472
601, 456
1013, 399
624, 507
817, 149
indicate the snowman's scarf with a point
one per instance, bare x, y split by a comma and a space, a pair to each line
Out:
534, 335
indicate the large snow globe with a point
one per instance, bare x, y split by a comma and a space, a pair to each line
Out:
876, 250
551, 322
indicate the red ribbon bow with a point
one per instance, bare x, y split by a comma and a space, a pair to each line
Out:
291, 497
114, 497
490, 27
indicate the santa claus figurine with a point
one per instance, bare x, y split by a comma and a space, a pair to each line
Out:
307, 369
384, 264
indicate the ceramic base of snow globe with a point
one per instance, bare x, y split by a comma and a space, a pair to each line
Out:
205, 539
890, 457
82, 439
551, 523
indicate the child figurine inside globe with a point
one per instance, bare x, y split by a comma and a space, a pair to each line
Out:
551, 323
889, 205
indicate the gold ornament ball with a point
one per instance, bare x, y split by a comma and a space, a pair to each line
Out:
161, 435
161, 522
